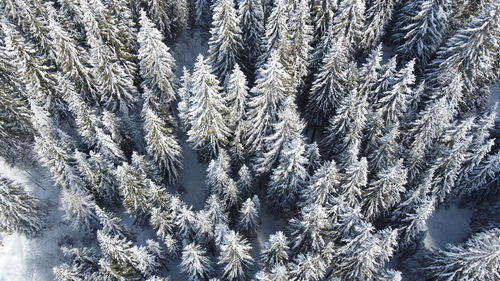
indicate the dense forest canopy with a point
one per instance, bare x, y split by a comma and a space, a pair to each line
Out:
331, 131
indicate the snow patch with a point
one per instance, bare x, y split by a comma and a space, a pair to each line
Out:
448, 226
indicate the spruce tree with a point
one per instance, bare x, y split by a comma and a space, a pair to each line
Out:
207, 113
237, 100
134, 190
422, 30
225, 39
276, 29
155, 61
250, 215
309, 231
288, 128
348, 23
472, 52
289, 177
79, 209
160, 137
269, 94
323, 185
378, 16
275, 252
330, 84
195, 263
354, 181
20, 211
476, 259
384, 192
251, 18
234, 256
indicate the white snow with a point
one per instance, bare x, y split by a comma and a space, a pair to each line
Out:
448, 226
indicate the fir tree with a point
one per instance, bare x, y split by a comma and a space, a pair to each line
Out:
195, 263
218, 177
476, 259
483, 177
245, 182
307, 267
134, 190
330, 84
79, 209
269, 94
155, 61
250, 215
160, 138
426, 23
237, 100
289, 177
20, 211
234, 256
251, 18
202, 12
309, 231
276, 30
471, 51
348, 23
323, 185
354, 181
275, 252
378, 16
225, 40
384, 192
98, 173
209, 128
288, 128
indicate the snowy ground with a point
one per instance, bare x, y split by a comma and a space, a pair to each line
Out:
448, 226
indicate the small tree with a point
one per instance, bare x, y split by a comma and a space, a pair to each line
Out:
234, 256
250, 215
195, 263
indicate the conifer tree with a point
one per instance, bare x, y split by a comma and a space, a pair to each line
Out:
195, 263
234, 256
20, 211
97, 171
160, 136
70, 57
116, 86
218, 176
310, 230
134, 189
323, 185
245, 180
289, 177
448, 162
237, 100
275, 252
476, 259
378, 16
471, 51
354, 181
276, 29
330, 84
392, 104
269, 94
346, 127
112, 225
81, 264
79, 209
313, 157
483, 177
155, 62
250, 215
225, 39
216, 210
209, 129
363, 256
384, 192
369, 73
288, 128
202, 12
426, 23
349, 22
298, 43
251, 18
308, 267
